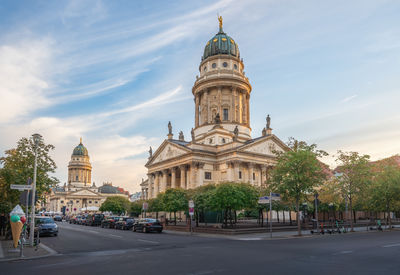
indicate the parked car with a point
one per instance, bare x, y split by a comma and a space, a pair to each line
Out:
46, 226
109, 222
75, 219
58, 218
124, 223
94, 219
147, 225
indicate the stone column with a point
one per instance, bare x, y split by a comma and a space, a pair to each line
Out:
236, 170
265, 175
229, 171
219, 101
197, 111
200, 174
183, 176
173, 177
156, 184
248, 109
150, 191
164, 180
205, 102
260, 177
232, 111
251, 171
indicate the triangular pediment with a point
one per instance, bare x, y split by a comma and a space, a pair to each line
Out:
265, 146
84, 192
167, 150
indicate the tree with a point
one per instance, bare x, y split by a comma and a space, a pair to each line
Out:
230, 197
297, 172
155, 204
354, 175
115, 204
173, 200
201, 197
385, 188
18, 164
136, 208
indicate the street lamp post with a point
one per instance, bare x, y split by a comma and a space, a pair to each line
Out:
36, 140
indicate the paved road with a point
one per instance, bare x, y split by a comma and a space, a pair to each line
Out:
88, 250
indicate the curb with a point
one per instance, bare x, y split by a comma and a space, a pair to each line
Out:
51, 252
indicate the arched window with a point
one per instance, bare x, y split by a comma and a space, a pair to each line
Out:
226, 114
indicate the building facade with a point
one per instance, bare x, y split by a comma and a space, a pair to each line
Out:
221, 147
79, 194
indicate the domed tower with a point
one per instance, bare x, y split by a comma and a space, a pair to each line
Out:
221, 93
79, 168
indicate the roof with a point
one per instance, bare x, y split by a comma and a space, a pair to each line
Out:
221, 43
80, 150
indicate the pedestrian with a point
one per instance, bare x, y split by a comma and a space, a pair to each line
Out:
3, 223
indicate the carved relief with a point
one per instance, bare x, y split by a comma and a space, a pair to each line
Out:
169, 152
266, 148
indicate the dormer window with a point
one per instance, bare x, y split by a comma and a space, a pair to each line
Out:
225, 64
214, 65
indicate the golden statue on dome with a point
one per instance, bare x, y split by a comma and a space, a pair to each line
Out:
220, 21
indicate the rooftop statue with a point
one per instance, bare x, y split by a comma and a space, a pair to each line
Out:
181, 136
220, 22
268, 122
217, 119
192, 132
151, 152
169, 128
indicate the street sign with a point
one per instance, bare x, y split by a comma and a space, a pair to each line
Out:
145, 206
263, 200
275, 196
191, 204
21, 187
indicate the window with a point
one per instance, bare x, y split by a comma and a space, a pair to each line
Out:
211, 140
90, 201
205, 68
214, 65
240, 174
235, 66
76, 178
95, 201
254, 176
77, 201
223, 140
62, 201
225, 64
207, 175
225, 114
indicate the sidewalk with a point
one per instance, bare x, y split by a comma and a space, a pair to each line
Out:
9, 253
266, 236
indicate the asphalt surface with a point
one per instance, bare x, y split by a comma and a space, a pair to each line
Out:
90, 250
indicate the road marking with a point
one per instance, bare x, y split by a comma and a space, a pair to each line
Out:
392, 245
343, 252
115, 235
147, 241
48, 249
249, 239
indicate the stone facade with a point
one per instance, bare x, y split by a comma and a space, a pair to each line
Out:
221, 148
80, 193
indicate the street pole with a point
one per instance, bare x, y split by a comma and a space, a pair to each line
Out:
270, 214
36, 139
316, 210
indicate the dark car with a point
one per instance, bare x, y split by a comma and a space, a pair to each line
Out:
109, 222
75, 220
58, 218
124, 223
46, 226
82, 221
147, 225
94, 219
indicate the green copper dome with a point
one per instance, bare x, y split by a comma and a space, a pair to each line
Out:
221, 43
80, 150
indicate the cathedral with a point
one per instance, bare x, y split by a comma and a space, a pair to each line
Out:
80, 195
221, 147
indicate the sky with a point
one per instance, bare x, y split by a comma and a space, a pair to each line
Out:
115, 72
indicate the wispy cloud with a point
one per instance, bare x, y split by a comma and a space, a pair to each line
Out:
347, 99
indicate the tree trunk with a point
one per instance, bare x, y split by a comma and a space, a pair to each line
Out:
298, 217
283, 216
290, 217
175, 217
277, 215
262, 217
351, 214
